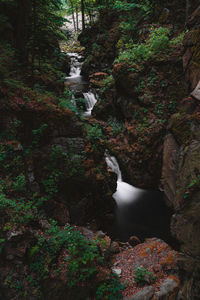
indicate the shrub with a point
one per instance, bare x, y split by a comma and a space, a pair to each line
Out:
117, 127
110, 290
93, 133
138, 53
143, 276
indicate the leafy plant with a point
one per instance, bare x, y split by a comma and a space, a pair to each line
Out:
142, 276
19, 183
117, 127
110, 290
93, 133
135, 54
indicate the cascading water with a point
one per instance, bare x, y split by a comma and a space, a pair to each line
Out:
138, 212
75, 69
125, 192
77, 84
90, 103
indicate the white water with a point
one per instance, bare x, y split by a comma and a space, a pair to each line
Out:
75, 80
75, 70
125, 192
90, 103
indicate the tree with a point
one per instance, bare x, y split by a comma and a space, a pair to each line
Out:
83, 14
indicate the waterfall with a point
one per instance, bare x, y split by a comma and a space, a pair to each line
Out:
113, 165
77, 83
125, 192
76, 65
138, 212
90, 103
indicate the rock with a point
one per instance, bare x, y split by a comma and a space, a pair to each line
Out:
114, 248
10, 257
164, 15
118, 272
191, 59
33, 185
194, 19
87, 233
14, 234
73, 145
196, 92
59, 212
169, 167
100, 234
168, 290
134, 240
44, 224
145, 294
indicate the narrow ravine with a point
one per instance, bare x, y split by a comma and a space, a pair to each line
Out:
138, 212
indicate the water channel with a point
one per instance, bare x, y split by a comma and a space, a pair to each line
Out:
138, 212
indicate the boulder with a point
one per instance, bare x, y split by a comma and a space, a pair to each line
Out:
145, 294
168, 290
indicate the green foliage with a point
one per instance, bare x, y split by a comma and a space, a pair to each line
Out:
93, 133
178, 40
82, 261
142, 276
110, 290
117, 127
1, 243
19, 210
68, 101
38, 133
108, 83
19, 183
136, 54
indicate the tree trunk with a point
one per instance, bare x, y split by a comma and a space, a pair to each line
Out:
77, 25
83, 14
74, 22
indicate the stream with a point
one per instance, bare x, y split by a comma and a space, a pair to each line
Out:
79, 85
138, 212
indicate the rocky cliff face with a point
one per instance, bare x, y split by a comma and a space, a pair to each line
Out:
181, 169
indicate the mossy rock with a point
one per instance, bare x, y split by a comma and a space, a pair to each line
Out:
185, 128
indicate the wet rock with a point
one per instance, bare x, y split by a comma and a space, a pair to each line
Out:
145, 294
168, 290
